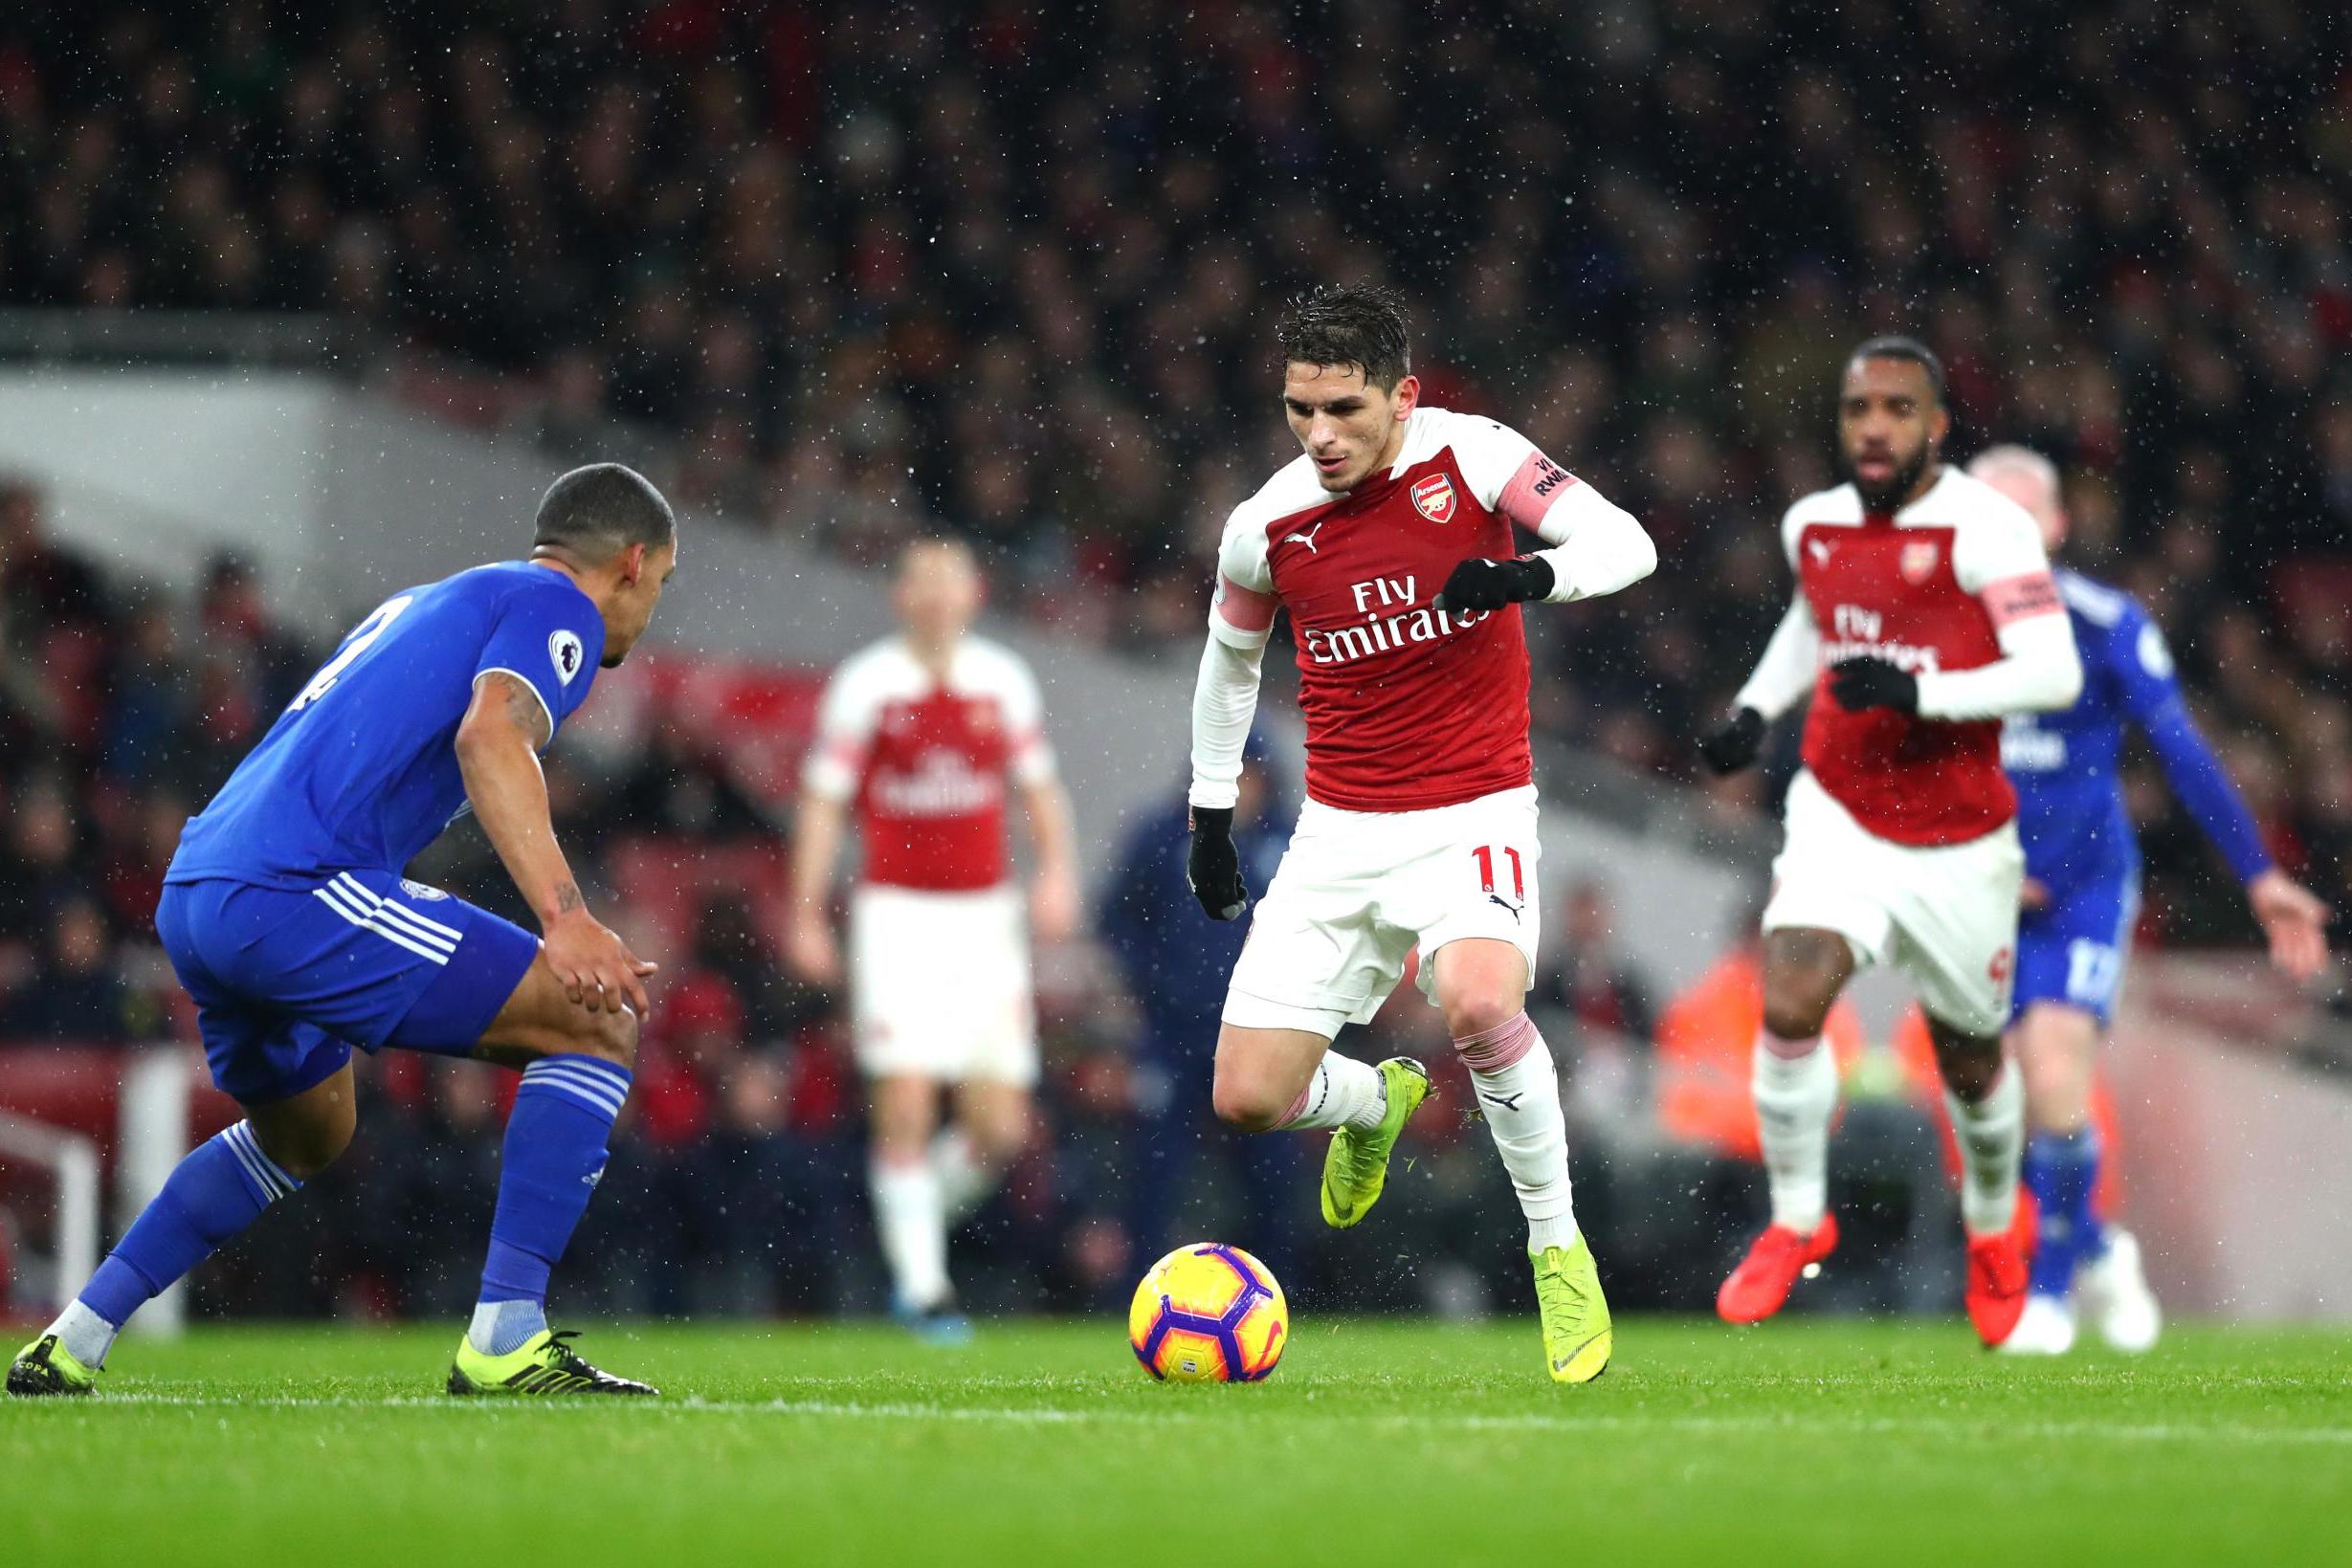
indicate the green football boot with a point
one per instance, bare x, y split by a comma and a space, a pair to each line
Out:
544, 1366
1577, 1336
47, 1367
1355, 1167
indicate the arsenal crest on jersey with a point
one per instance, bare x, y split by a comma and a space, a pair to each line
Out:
1918, 561
1434, 498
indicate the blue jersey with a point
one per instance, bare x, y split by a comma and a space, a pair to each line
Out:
359, 773
2066, 766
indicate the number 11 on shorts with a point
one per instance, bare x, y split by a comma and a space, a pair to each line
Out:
1484, 855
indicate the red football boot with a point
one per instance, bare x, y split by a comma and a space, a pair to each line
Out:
1999, 1268
1760, 1284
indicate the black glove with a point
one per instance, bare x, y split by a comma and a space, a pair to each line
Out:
1478, 584
1733, 743
1214, 869
1874, 683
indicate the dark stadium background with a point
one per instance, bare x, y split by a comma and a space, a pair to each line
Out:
848, 274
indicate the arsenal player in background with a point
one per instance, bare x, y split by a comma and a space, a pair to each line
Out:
1390, 543
922, 734
1925, 614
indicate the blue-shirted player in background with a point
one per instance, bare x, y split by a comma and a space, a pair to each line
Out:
286, 917
2082, 896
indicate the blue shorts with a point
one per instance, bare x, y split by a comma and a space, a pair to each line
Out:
287, 982
2074, 950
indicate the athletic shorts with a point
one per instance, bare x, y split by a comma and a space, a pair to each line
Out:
2073, 951
1945, 915
1359, 890
286, 981
940, 986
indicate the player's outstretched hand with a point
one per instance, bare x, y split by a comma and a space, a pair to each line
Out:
596, 967
1733, 743
1874, 683
1214, 869
2295, 920
1478, 584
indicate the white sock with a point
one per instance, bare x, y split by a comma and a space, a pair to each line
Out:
500, 1328
1343, 1092
1795, 1095
964, 1182
913, 1226
1517, 1084
85, 1335
1992, 1140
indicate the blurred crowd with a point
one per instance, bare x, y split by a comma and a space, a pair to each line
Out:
851, 272
873, 267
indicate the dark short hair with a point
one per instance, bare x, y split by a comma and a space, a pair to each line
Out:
597, 512
1895, 347
1358, 325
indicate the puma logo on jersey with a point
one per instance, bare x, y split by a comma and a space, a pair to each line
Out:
1306, 536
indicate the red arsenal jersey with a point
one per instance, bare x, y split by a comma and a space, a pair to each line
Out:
1920, 588
928, 761
1406, 708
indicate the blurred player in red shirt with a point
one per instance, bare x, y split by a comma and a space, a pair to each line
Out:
924, 735
1390, 543
1924, 615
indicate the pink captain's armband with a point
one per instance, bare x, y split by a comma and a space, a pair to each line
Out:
1539, 482
2022, 597
1244, 609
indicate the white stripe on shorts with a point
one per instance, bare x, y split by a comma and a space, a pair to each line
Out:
332, 897
408, 920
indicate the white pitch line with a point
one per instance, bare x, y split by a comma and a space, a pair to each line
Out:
1992, 1426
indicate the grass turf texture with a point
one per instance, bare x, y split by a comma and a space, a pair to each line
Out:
1042, 1443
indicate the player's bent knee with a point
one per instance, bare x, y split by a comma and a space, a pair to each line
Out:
611, 1036
1798, 1012
1247, 1102
1479, 1013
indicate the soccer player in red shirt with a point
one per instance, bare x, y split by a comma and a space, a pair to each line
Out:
922, 734
1925, 614
1390, 543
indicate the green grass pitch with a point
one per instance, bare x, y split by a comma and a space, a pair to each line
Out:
1392, 1442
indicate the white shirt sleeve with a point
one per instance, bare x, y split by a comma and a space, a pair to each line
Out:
1029, 757
1599, 548
845, 720
1241, 612
1224, 703
1791, 663
1997, 555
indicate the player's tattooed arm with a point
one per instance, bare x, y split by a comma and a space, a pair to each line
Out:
498, 757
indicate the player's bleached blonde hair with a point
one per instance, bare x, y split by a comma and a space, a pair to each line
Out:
2012, 458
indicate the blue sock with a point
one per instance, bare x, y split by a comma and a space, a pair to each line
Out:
219, 1189
2061, 1172
553, 1157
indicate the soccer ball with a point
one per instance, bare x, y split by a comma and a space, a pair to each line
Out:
1208, 1312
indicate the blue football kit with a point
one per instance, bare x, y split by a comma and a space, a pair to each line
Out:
285, 913
2071, 813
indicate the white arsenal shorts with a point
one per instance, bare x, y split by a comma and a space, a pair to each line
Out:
1358, 890
1945, 915
939, 984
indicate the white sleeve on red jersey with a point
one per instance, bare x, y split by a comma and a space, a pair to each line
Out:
1241, 612
846, 717
1791, 662
1007, 676
1599, 546
1997, 555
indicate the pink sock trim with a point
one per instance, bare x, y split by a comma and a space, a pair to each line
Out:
1787, 1050
1298, 1106
1491, 1050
